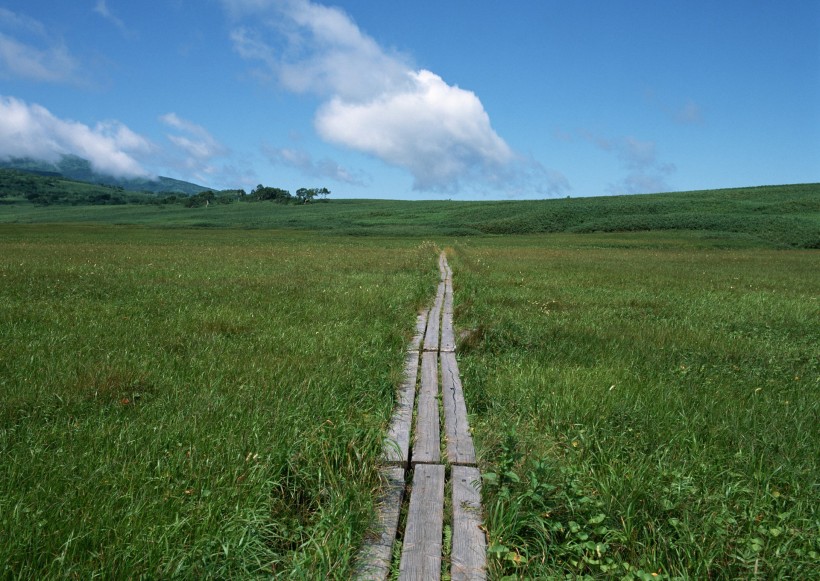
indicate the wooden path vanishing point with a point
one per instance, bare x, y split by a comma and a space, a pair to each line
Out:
433, 351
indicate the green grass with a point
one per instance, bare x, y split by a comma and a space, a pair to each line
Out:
644, 404
202, 392
784, 216
195, 404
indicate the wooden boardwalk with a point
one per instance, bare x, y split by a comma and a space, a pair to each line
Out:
416, 471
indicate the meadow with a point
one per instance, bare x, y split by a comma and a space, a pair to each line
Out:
646, 406
195, 404
784, 216
202, 392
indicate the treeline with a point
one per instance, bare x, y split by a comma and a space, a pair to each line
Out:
46, 190
303, 195
259, 194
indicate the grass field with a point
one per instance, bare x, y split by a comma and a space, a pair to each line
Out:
194, 403
782, 216
644, 404
202, 392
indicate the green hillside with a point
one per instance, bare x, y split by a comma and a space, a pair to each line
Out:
78, 169
43, 189
787, 215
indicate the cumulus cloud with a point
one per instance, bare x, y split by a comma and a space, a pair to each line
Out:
375, 101
198, 147
440, 133
28, 51
302, 160
30, 130
645, 172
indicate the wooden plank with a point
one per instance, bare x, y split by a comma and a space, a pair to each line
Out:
469, 554
421, 550
377, 551
427, 446
397, 442
448, 339
421, 325
460, 448
433, 321
448, 296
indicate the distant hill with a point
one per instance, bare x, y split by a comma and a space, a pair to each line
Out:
76, 168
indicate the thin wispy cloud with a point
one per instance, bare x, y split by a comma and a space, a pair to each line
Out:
30, 130
689, 114
196, 145
103, 10
646, 173
375, 101
28, 51
323, 168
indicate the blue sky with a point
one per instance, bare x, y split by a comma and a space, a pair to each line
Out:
419, 100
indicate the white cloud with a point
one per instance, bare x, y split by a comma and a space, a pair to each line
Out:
30, 130
439, 132
24, 61
28, 51
375, 100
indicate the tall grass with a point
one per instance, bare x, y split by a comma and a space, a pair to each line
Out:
645, 407
195, 404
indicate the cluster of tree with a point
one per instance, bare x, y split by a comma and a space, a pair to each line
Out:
209, 197
303, 195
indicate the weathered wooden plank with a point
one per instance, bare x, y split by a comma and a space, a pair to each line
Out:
448, 339
448, 296
460, 448
469, 554
427, 446
397, 442
421, 325
377, 552
421, 550
434, 321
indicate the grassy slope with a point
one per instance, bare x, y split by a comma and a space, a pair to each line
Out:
779, 215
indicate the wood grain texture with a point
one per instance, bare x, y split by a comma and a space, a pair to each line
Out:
469, 554
431, 337
421, 326
421, 550
460, 449
397, 442
427, 446
448, 339
377, 551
